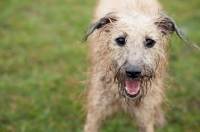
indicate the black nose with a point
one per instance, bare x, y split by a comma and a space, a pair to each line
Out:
133, 71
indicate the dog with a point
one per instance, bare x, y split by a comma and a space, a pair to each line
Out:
128, 48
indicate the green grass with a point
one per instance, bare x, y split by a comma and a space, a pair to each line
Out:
42, 65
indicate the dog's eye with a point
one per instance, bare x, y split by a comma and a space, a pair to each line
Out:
121, 41
149, 43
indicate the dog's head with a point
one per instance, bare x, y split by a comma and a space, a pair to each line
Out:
137, 47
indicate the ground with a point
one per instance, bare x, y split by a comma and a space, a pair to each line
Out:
43, 67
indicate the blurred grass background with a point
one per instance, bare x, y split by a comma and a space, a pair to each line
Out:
42, 65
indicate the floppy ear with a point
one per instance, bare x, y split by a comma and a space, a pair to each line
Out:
168, 26
109, 18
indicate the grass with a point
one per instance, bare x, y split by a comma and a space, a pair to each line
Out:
42, 64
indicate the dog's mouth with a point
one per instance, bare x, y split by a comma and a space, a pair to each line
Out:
132, 88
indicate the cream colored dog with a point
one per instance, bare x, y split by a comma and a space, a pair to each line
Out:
128, 53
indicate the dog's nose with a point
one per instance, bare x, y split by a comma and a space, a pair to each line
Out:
133, 71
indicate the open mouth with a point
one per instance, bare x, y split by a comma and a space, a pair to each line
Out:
132, 88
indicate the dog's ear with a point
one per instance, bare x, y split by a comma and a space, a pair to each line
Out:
168, 26
109, 18
165, 24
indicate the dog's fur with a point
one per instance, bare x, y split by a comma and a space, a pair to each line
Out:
135, 20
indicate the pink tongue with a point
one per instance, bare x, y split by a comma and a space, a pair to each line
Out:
132, 86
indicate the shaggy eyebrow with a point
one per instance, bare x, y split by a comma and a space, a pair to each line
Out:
125, 34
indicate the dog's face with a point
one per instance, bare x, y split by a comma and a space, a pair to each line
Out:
138, 48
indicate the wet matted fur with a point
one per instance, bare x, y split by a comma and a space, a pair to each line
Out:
130, 34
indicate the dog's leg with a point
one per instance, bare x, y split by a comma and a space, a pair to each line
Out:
145, 117
148, 113
101, 103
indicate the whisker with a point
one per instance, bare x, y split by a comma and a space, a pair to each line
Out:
146, 80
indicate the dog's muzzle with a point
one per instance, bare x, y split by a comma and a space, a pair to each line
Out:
132, 83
